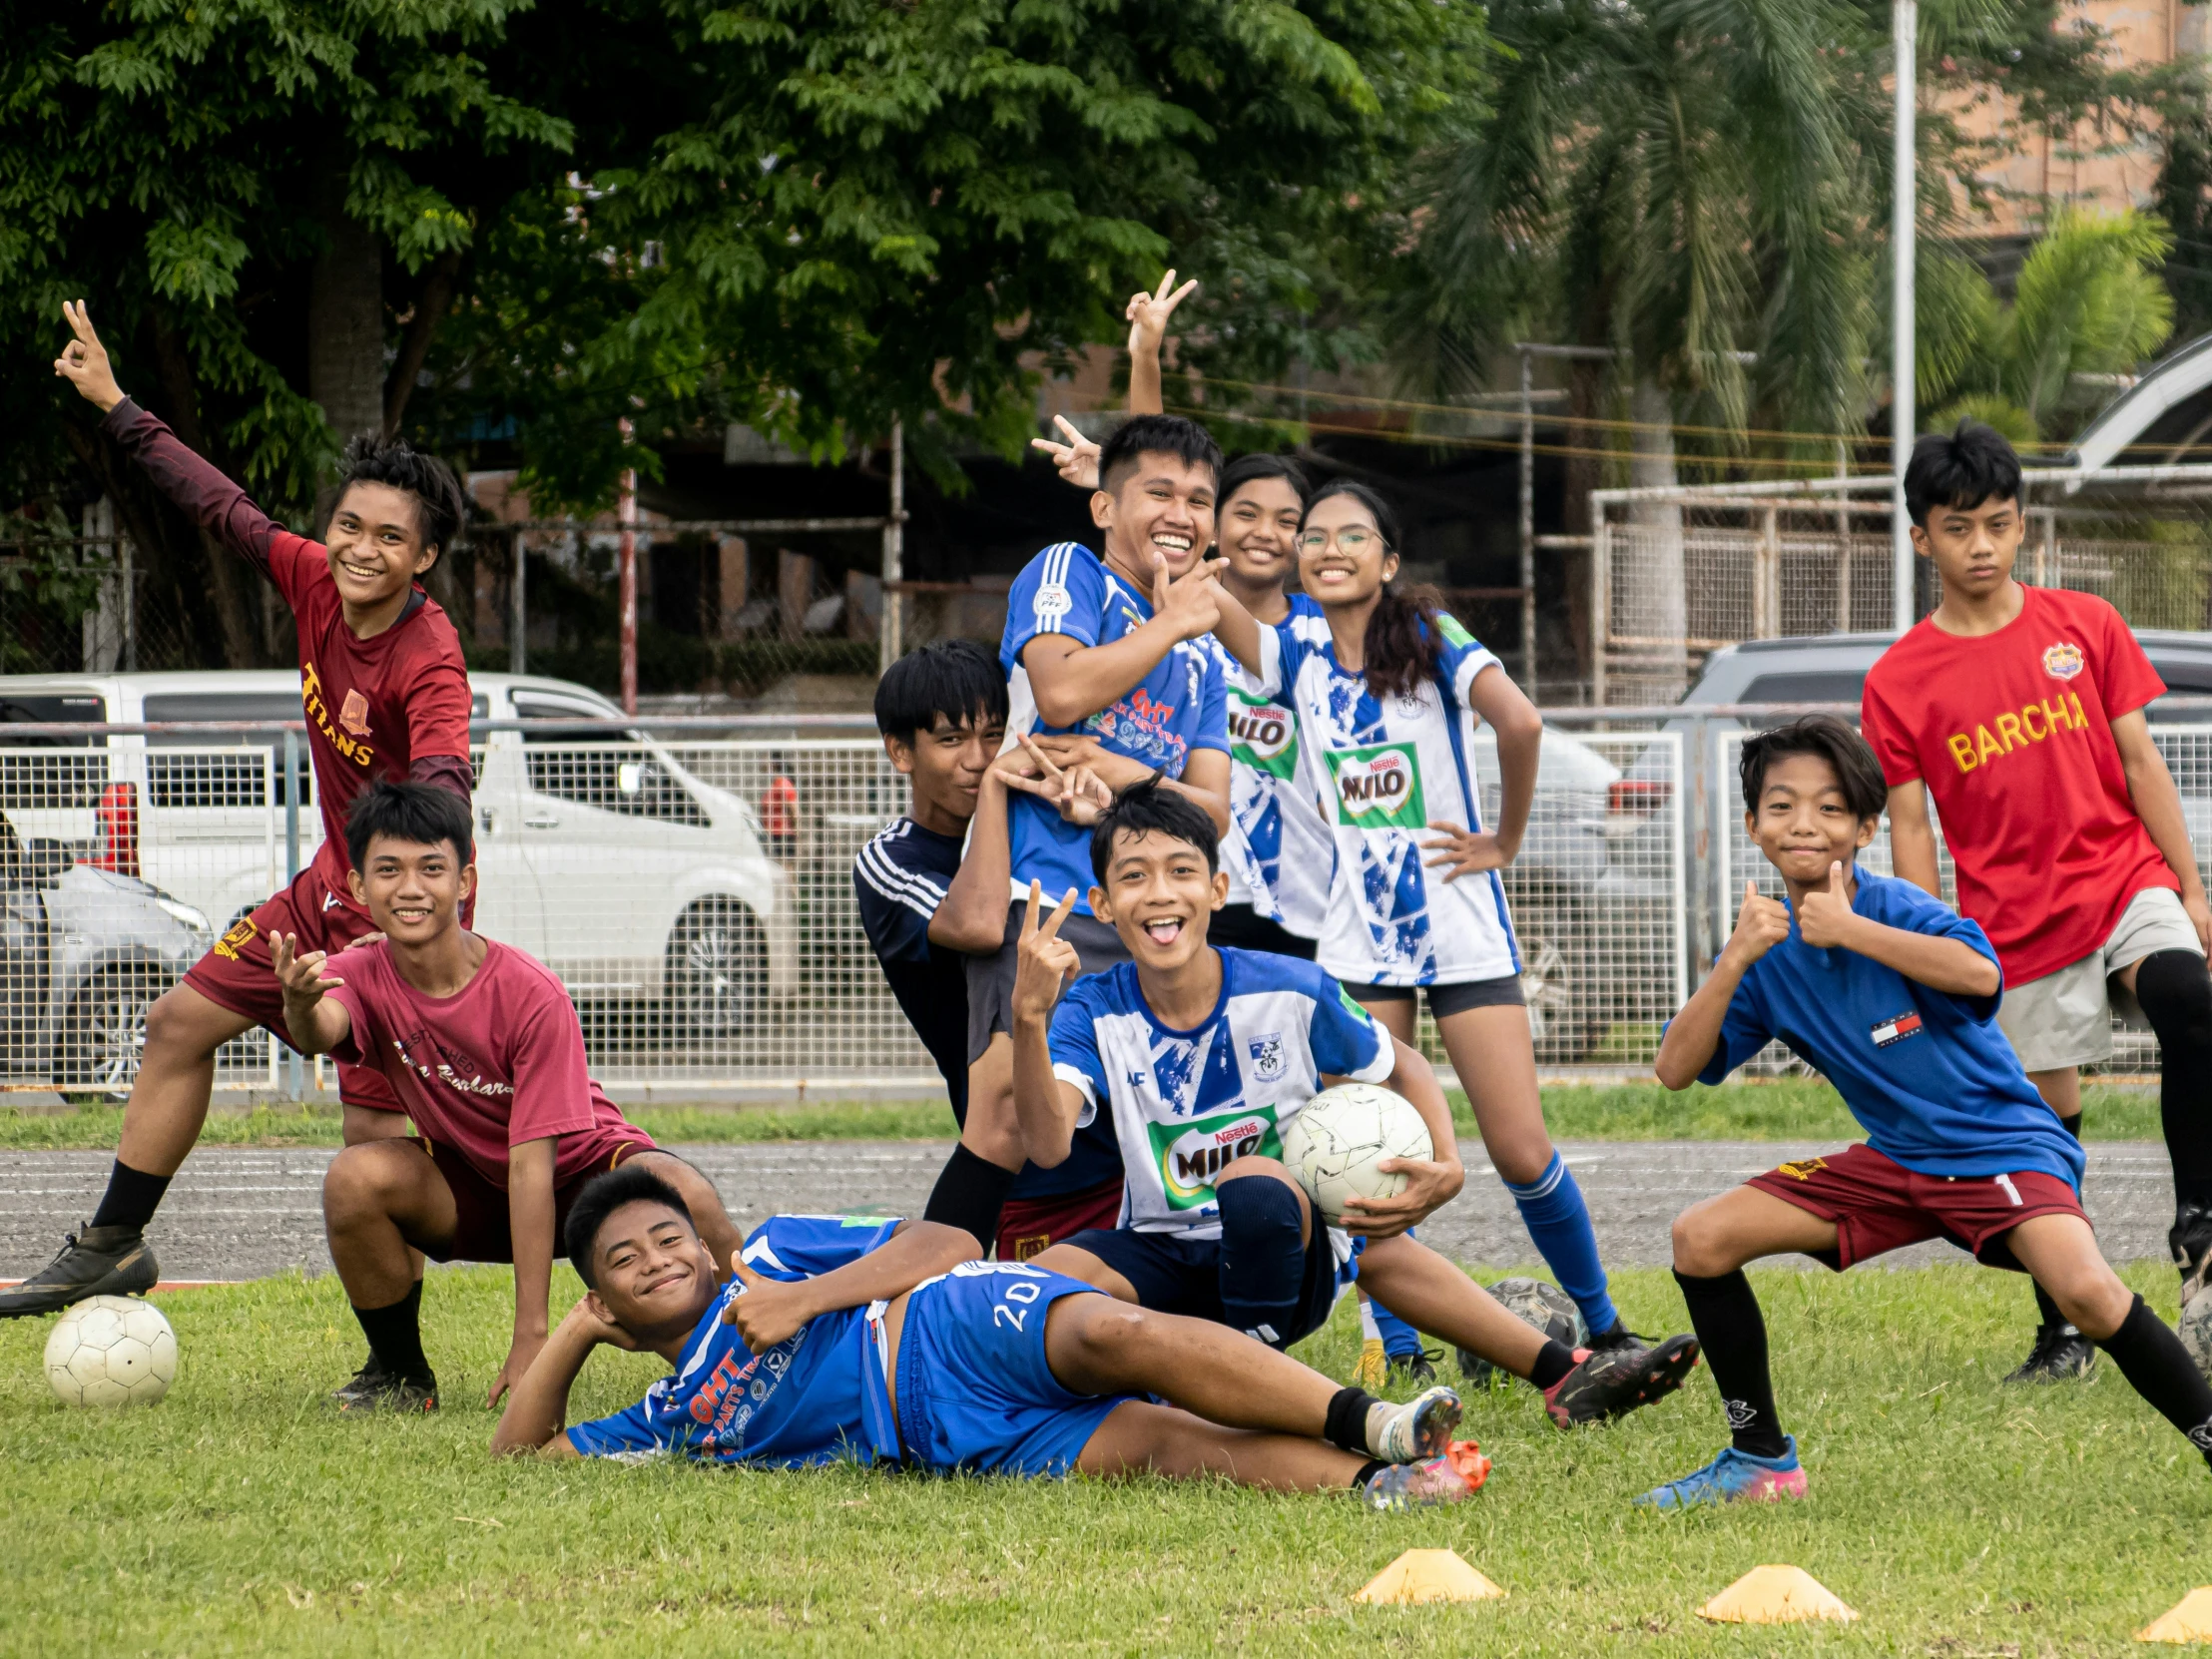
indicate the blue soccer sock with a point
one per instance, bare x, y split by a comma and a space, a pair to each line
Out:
1551, 1207
1263, 1262
1399, 1340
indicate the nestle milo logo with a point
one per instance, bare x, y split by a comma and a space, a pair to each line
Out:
1263, 736
1191, 1154
1379, 787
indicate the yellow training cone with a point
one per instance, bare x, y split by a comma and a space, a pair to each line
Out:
1428, 1575
2192, 1621
1775, 1595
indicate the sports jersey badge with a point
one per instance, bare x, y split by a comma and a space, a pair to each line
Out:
2064, 661
1053, 600
1267, 1057
1895, 1029
354, 714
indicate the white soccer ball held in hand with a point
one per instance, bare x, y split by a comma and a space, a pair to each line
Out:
1332, 1146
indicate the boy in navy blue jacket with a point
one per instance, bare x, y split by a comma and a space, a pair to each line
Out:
1894, 998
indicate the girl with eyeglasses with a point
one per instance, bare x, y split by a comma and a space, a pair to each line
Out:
1389, 692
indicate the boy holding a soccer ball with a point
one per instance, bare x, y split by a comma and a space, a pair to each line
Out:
1893, 997
1198, 1058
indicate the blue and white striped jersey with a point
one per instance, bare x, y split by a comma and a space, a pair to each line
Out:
1179, 707
1280, 852
1388, 770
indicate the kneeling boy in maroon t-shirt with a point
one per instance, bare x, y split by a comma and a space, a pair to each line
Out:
482, 1047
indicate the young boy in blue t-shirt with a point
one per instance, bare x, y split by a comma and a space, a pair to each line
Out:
1893, 997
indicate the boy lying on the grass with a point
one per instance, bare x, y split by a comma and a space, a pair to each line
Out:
1197, 1059
481, 1045
1892, 998
881, 1340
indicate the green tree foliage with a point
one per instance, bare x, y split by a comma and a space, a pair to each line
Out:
2088, 301
253, 193
294, 217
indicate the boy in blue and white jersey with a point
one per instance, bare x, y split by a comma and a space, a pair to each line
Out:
1386, 771
866, 1339
1200, 1057
1111, 678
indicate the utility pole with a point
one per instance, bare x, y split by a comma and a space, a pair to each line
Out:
888, 637
627, 568
1905, 29
1528, 526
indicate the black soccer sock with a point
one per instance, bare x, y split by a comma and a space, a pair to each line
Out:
970, 1195
1733, 1334
1346, 1424
1368, 1472
131, 1198
2176, 997
2153, 1361
396, 1335
1553, 1360
1263, 1260
2045, 1308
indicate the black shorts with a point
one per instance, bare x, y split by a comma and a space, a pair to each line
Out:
990, 979
1445, 1000
1243, 929
1175, 1275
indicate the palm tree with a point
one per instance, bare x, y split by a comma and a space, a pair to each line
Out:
2089, 301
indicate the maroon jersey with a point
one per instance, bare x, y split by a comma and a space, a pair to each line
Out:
395, 707
498, 1063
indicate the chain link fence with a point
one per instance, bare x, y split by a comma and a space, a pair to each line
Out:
1675, 575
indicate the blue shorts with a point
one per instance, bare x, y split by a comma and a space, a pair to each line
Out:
975, 1392
1172, 1274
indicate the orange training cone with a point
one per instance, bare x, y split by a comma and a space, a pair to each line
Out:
1428, 1575
1775, 1595
2190, 1621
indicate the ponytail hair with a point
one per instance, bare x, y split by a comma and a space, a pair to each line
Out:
1403, 645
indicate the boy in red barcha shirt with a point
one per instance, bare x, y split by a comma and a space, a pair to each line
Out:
2019, 711
384, 691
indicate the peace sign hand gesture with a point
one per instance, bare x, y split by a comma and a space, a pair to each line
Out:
84, 360
1077, 792
1076, 459
1043, 961
1148, 312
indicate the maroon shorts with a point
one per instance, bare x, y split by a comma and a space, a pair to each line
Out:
1879, 1205
1027, 1226
239, 973
482, 1230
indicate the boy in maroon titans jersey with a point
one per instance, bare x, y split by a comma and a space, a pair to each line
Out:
2019, 711
482, 1045
386, 693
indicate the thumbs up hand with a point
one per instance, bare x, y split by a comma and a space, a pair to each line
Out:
1825, 917
771, 1310
1761, 925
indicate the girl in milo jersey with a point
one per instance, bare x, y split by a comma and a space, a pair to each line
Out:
1390, 693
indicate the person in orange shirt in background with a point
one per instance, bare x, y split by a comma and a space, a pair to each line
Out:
2019, 711
780, 810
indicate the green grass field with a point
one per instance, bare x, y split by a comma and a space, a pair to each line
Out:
1778, 1111
1957, 1516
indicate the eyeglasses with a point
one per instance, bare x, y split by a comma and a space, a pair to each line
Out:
1351, 540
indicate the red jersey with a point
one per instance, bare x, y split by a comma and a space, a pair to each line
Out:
2012, 733
499, 1063
395, 707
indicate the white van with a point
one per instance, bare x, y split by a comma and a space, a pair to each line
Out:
603, 855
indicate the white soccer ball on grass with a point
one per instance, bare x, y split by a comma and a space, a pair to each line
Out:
111, 1351
1332, 1146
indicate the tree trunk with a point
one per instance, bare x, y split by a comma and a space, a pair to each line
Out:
1651, 584
346, 317
231, 585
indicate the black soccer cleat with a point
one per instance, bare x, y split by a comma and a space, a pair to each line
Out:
99, 1261
1619, 1336
2060, 1355
373, 1389
1614, 1381
1416, 1366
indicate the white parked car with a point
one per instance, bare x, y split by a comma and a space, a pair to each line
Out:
605, 855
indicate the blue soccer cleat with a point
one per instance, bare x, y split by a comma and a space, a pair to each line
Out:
1733, 1477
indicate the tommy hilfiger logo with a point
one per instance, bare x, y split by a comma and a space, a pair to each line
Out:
1895, 1029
